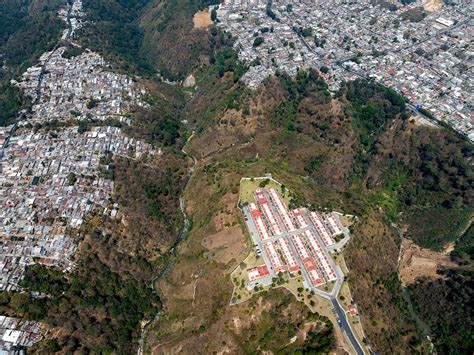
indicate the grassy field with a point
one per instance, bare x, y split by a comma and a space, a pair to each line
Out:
249, 185
239, 278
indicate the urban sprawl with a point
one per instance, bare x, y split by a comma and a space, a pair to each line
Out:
52, 171
425, 56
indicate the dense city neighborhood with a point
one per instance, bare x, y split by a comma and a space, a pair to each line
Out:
48, 183
16, 334
50, 178
424, 56
78, 88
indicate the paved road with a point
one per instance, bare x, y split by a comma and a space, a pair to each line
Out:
332, 296
345, 327
256, 239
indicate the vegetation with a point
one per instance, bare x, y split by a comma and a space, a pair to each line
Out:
12, 101
414, 15
99, 316
359, 153
162, 25
446, 305
277, 327
150, 199
435, 227
306, 84
463, 252
27, 29
115, 33
258, 41
159, 124
140, 37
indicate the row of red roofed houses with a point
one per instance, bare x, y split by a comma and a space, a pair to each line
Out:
298, 214
281, 208
321, 228
288, 256
281, 257
321, 257
265, 206
331, 223
308, 261
278, 265
258, 220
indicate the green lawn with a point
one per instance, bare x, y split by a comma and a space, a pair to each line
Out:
249, 185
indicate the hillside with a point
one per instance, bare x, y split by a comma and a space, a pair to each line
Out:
100, 304
140, 36
358, 150
27, 29
360, 153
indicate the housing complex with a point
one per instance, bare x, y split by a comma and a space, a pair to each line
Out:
294, 242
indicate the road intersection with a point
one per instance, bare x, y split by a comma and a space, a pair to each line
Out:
331, 295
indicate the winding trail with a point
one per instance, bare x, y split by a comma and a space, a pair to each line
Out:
174, 247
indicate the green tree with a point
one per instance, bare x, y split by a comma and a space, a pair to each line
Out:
258, 41
214, 15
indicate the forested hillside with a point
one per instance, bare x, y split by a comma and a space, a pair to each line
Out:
27, 29
147, 37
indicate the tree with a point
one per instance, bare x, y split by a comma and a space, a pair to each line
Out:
214, 15
264, 183
258, 41
324, 69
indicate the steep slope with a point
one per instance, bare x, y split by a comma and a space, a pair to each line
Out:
27, 29
359, 153
100, 303
148, 37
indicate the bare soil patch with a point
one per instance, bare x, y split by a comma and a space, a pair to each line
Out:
433, 5
202, 19
416, 262
420, 121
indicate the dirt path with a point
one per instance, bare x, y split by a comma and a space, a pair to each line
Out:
433, 5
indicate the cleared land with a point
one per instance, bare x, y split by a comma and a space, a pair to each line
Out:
416, 262
433, 5
202, 19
